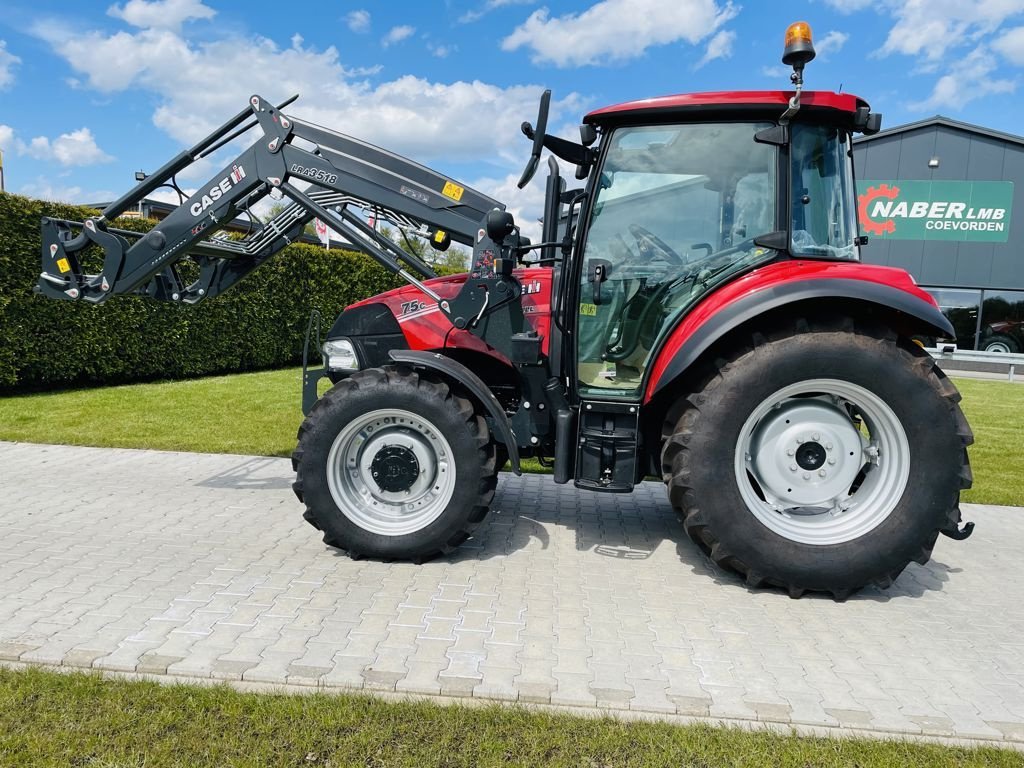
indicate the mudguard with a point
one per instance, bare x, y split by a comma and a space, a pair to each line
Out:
452, 369
783, 283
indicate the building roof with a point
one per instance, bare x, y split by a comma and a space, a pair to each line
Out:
945, 122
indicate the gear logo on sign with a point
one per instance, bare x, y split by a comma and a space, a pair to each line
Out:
869, 225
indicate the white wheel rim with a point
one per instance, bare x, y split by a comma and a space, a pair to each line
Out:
359, 493
823, 461
998, 346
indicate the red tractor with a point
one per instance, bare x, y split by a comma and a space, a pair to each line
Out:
696, 311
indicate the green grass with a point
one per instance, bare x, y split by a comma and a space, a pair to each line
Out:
258, 413
48, 718
995, 410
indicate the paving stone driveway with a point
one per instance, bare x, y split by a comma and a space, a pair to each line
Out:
201, 566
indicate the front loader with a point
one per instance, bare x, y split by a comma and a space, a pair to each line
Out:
696, 311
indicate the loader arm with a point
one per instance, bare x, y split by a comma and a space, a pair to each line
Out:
343, 176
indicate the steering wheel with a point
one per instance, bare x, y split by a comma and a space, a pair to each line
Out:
647, 242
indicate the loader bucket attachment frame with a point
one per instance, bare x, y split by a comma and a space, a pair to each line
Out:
326, 174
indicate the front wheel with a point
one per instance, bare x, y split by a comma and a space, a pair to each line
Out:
395, 465
822, 458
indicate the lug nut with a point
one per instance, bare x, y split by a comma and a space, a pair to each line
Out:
828, 446
821, 473
789, 452
807, 475
817, 436
792, 467
832, 461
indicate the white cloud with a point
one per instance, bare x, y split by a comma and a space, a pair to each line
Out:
397, 35
832, 42
479, 120
1011, 45
851, 6
69, 149
161, 14
615, 30
719, 47
776, 72
358, 21
968, 79
441, 51
8, 61
930, 28
526, 205
490, 5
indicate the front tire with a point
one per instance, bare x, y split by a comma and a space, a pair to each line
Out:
822, 458
393, 464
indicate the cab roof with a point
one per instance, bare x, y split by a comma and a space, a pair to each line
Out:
725, 103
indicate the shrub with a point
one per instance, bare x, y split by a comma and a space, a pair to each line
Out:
260, 323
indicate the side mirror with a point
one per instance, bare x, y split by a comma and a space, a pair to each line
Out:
537, 134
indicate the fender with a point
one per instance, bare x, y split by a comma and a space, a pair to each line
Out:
783, 283
452, 369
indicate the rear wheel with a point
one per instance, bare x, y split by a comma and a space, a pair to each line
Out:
822, 458
393, 464
1006, 345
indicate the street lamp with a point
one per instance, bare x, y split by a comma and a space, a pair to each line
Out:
140, 176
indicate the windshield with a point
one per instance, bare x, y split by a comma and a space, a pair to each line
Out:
675, 214
824, 208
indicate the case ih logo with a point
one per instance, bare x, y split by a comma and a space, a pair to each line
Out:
214, 194
939, 210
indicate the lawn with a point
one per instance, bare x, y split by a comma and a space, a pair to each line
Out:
258, 413
124, 723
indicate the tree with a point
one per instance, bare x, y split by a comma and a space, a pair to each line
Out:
451, 261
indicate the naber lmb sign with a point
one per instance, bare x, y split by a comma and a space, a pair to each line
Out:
974, 211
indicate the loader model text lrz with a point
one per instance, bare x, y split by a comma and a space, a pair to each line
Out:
696, 311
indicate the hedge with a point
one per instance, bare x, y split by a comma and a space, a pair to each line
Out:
258, 324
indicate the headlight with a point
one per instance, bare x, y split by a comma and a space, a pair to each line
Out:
340, 355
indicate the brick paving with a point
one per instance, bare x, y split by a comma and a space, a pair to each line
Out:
200, 566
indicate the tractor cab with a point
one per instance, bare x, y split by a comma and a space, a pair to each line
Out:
686, 192
680, 206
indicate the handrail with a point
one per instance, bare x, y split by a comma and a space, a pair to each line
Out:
950, 352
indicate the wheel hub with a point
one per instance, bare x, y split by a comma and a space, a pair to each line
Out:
810, 456
805, 453
395, 468
390, 471
822, 461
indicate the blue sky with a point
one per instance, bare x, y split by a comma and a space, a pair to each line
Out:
92, 91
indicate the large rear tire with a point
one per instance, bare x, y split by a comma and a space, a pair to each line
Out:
393, 464
822, 457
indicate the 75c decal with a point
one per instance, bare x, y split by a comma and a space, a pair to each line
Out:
316, 174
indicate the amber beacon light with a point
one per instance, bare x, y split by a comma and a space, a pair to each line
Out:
799, 48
